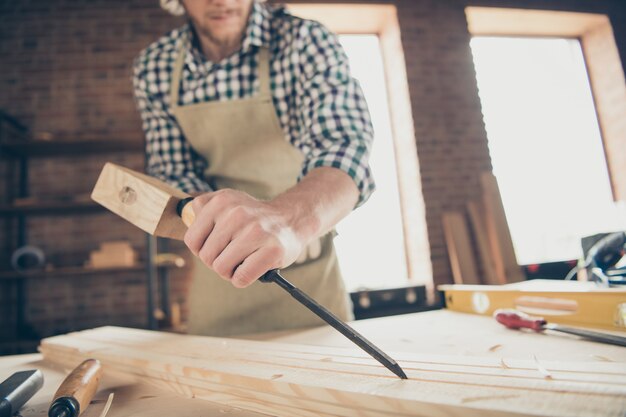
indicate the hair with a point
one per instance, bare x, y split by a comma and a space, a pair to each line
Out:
173, 6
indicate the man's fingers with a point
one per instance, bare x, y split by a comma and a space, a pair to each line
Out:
234, 255
207, 208
255, 265
215, 243
239, 237
198, 232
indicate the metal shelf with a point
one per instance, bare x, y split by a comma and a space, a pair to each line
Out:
19, 144
18, 346
73, 271
36, 148
51, 207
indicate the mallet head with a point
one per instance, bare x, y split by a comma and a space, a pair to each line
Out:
144, 201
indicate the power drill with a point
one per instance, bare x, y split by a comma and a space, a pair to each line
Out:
605, 254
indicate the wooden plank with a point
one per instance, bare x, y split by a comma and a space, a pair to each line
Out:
302, 405
435, 368
506, 266
113, 254
300, 380
460, 250
240, 397
453, 334
196, 346
476, 214
185, 365
301, 399
130, 397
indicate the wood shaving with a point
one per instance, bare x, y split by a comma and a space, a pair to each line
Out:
503, 364
105, 410
602, 358
546, 374
488, 398
494, 348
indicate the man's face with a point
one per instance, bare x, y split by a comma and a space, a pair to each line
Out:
222, 21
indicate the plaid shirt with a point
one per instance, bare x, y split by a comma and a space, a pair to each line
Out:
321, 108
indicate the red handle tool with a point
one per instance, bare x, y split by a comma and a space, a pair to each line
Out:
514, 319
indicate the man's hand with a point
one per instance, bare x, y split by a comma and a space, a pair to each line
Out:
240, 237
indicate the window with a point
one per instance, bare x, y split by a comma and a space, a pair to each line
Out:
377, 247
545, 145
370, 244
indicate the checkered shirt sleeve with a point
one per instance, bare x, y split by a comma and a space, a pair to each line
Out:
333, 111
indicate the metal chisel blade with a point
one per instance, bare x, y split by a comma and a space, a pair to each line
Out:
330, 318
589, 334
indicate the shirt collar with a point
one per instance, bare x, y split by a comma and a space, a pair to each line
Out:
257, 34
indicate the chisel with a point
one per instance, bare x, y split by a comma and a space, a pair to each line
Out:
514, 319
185, 211
323, 313
17, 389
76, 390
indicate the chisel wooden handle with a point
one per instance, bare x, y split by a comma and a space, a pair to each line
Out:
185, 211
76, 390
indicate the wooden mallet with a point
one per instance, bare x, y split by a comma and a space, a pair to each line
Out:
144, 201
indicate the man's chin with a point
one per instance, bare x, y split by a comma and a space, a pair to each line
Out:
219, 32
222, 36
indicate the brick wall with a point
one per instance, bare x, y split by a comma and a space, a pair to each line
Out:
449, 132
65, 69
66, 64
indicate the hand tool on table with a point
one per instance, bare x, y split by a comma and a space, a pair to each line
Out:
17, 389
76, 390
164, 211
602, 258
514, 319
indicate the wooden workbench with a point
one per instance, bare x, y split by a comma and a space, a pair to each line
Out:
436, 332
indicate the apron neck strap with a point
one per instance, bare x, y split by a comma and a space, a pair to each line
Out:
264, 74
176, 73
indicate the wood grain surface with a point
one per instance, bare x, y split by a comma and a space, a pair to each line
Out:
300, 380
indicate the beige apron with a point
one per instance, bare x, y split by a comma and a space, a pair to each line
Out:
246, 150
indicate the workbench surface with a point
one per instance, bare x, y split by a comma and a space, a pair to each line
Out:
437, 332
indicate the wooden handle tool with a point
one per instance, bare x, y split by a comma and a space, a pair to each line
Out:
76, 390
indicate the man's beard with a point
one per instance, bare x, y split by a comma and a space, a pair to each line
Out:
220, 38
